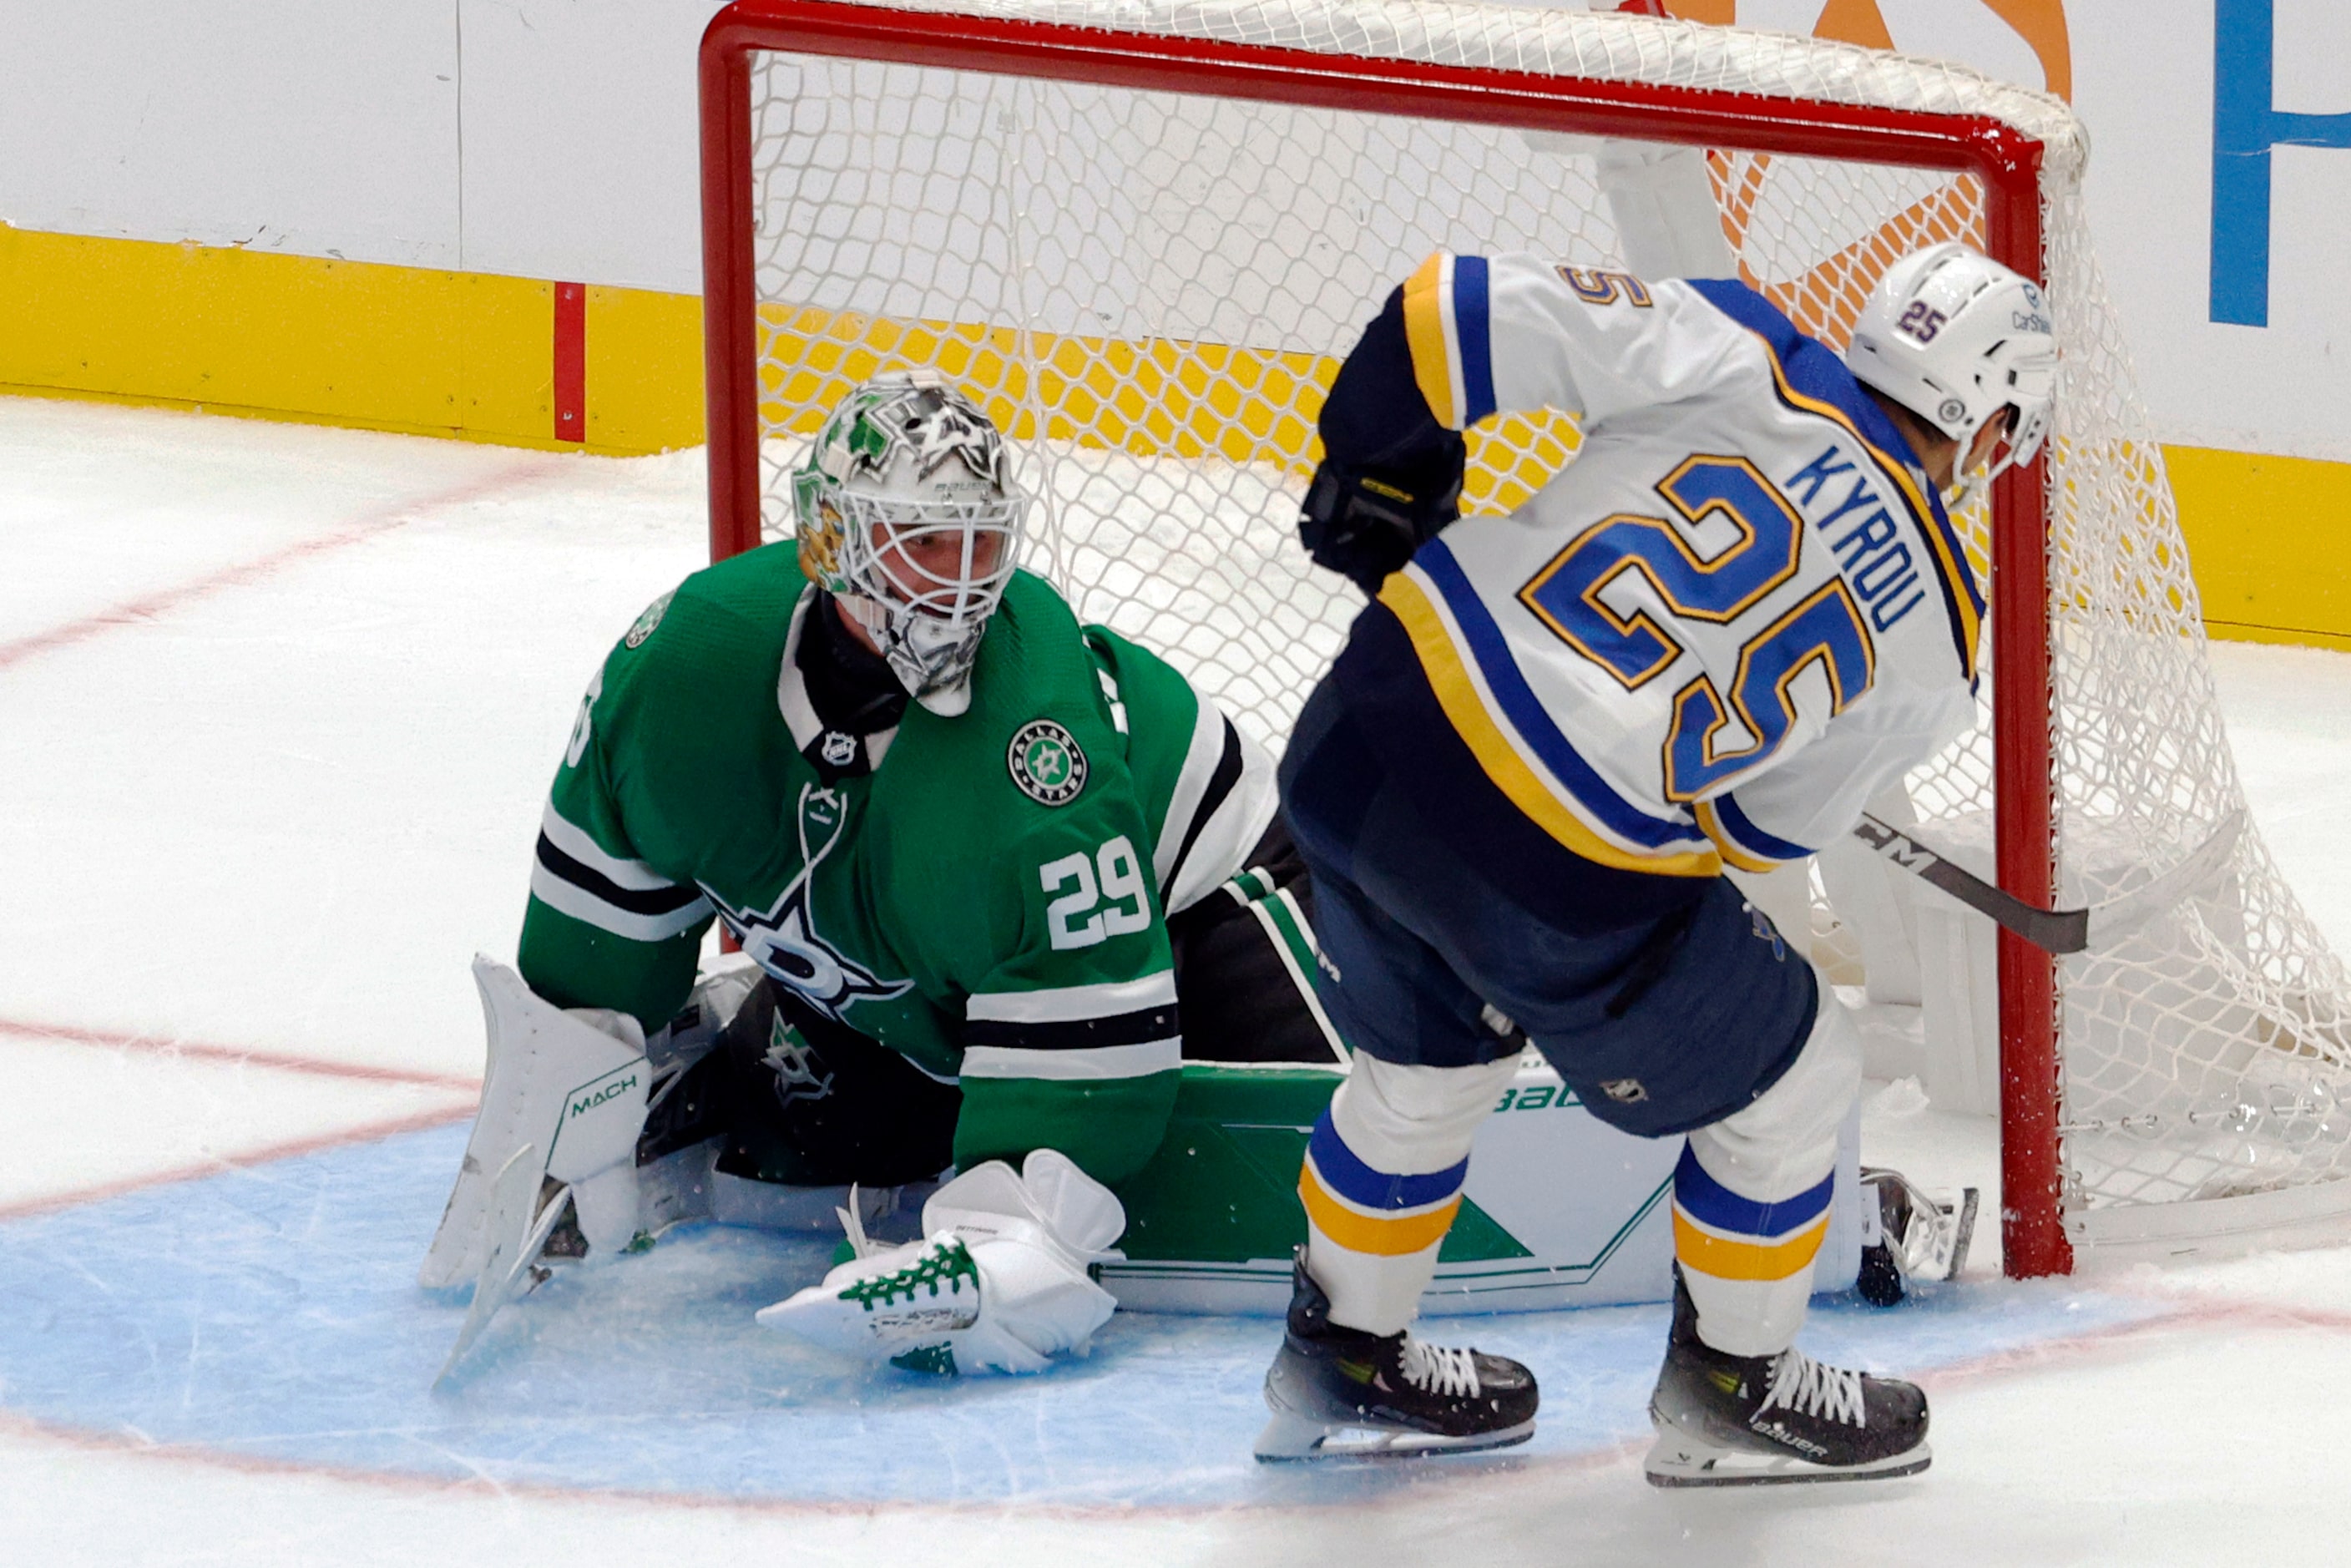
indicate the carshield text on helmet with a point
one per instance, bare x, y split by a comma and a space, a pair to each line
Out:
908, 515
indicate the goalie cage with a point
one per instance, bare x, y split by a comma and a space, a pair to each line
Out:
1141, 232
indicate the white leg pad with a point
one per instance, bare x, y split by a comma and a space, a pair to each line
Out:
572, 1083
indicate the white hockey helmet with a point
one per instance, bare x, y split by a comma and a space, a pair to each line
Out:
1958, 338
908, 515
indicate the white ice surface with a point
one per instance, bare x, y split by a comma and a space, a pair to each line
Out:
277, 708
82, 1116
266, 814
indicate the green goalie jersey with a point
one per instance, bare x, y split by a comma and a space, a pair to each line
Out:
984, 894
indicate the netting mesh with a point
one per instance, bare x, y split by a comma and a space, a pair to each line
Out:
1150, 293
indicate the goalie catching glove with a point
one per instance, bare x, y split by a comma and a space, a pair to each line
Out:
999, 1281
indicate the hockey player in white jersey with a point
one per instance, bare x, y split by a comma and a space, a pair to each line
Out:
1737, 614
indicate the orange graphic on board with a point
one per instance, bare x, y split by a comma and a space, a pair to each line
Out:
1825, 297
2039, 23
1854, 22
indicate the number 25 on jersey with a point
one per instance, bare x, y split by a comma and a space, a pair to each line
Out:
1635, 648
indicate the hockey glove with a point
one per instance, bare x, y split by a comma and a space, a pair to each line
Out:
1366, 523
999, 1284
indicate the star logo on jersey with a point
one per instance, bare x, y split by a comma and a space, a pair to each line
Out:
1047, 763
784, 942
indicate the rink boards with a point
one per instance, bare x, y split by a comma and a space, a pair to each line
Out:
1560, 1209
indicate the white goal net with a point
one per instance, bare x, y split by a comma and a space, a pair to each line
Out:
1150, 290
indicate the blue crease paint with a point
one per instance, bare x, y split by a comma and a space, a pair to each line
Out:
273, 1314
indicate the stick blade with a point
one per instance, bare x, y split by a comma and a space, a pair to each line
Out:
2121, 918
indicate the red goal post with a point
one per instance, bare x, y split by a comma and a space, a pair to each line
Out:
2007, 163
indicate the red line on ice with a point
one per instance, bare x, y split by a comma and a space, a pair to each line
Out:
364, 1133
1497, 1482
233, 1055
2192, 1313
152, 607
1501, 1480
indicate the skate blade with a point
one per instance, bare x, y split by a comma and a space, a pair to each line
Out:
1289, 1439
1676, 1461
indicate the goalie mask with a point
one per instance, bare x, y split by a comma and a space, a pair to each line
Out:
1958, 340
908, 516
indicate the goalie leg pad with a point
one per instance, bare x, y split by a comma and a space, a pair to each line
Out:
1245, 965
571, 1083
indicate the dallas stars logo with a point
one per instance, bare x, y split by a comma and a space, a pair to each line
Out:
797, 1070
784, 942
1047, 762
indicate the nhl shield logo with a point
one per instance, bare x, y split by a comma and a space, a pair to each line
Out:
1047, 763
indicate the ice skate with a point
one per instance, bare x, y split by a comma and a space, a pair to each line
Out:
1756, 1420
1338, 1393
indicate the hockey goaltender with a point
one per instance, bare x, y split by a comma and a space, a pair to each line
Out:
995, 874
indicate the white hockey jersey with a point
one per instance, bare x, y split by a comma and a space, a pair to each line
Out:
1734, 617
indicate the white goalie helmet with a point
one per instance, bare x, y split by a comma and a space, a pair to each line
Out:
908, 515
1957, 339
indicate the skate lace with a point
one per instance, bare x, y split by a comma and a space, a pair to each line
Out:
1801, 1384
1438, 1369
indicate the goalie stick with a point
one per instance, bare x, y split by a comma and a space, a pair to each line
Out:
2059, 931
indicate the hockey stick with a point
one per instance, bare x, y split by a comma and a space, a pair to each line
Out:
2058, 931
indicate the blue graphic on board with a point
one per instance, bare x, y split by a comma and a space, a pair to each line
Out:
273, 1315
2246, 124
